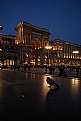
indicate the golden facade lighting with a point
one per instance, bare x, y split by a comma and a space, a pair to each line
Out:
75, 52
48, 47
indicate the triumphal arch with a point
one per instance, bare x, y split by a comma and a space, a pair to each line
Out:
31, 41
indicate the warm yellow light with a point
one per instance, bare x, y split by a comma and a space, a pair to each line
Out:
75, 86
33, 62
75, 52
26, 54
48, 47
0, 49
38, 59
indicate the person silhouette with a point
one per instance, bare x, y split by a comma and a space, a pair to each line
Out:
51, 82
77, 70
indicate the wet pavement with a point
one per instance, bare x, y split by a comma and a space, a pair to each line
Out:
27, 97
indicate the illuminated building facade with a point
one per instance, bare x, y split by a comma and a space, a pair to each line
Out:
31, 45
65, 53
8, 52
32, 41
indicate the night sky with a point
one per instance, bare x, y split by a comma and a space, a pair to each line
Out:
61, 17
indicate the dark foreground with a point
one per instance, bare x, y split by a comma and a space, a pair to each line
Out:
27, 97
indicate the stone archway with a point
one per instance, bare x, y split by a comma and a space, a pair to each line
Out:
33, 36
36, 44
25, 33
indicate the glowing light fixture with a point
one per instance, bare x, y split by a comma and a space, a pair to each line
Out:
0, 49
75, 52
48, 47
1, 27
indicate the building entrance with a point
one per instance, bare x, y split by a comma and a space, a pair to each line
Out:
31, 40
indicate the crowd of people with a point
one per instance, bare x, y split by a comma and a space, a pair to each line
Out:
63, 69
51, 69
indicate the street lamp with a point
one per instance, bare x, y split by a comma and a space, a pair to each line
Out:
1, 27
48, 48
0, 34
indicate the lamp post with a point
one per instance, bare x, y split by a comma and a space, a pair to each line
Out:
48, 48
75, 52
1, 28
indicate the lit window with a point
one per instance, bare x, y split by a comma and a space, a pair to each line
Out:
38, 59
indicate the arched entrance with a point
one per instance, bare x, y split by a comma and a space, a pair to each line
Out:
34, 37
36, 44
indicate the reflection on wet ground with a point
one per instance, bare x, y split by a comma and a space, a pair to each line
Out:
26, 96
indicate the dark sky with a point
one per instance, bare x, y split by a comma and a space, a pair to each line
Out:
61, 17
